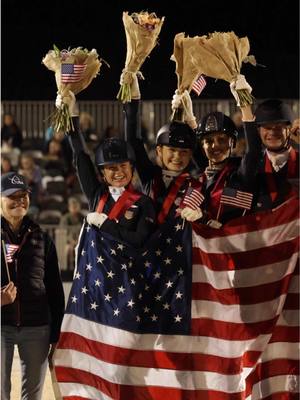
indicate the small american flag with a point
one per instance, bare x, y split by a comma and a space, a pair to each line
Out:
193, 198
10, 251
236, 198
199, 85
71, 73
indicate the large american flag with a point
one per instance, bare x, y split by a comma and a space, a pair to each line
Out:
204, 331
71, 73
199, 85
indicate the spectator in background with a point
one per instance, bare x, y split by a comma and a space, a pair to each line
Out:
54, 159
33, 175
6, 165
11, 134
110, 131
87, 129
72, 219
60, 137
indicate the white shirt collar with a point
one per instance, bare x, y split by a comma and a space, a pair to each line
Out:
168, 176
116, 191
278, 160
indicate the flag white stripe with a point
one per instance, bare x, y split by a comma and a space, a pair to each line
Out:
275, 384
169, 343
78, 389
288, 318
286, 350
246, 277
237, 313
140, 376
248, 240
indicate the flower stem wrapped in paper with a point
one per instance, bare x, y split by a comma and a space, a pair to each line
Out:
142, 30
220, 55
74, 70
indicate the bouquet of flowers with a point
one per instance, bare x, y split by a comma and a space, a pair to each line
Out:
186, 70
74, 70
219, 55
142, 30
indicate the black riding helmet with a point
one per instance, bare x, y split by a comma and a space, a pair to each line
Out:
176, 134
217, 122
272, 111
112, 151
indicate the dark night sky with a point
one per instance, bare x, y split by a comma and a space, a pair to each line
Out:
30, 27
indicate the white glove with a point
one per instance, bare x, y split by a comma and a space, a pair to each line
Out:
95, 218
191, 215
188, 109
135, 88
176, 100
238, 84
70, 101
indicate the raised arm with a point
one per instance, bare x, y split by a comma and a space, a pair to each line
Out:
248, 168
132, 126
84, 167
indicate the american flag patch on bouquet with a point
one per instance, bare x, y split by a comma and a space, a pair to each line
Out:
193, 198
236, 198
10, 250
71, 73
199, 85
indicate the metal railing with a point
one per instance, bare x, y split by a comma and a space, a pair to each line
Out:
33, 116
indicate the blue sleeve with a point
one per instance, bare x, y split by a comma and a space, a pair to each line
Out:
85, 169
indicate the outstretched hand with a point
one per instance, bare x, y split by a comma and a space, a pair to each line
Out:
69, 100
239, 83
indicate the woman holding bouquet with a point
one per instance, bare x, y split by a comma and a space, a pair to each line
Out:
228, 183
168, 181
116, 207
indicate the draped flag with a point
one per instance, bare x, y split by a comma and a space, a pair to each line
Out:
162, 323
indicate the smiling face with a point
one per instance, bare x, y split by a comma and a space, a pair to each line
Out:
274, 135
217, 146
174, 158
118, 175
15, 206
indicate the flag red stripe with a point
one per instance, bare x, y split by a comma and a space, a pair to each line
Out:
128, 392
282, 396
292, 301
230, 330
244, 295
156, 359
245, 259
285, 333
75, 398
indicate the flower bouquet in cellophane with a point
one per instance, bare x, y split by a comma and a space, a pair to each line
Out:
220, 55
142, 30
74, 70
